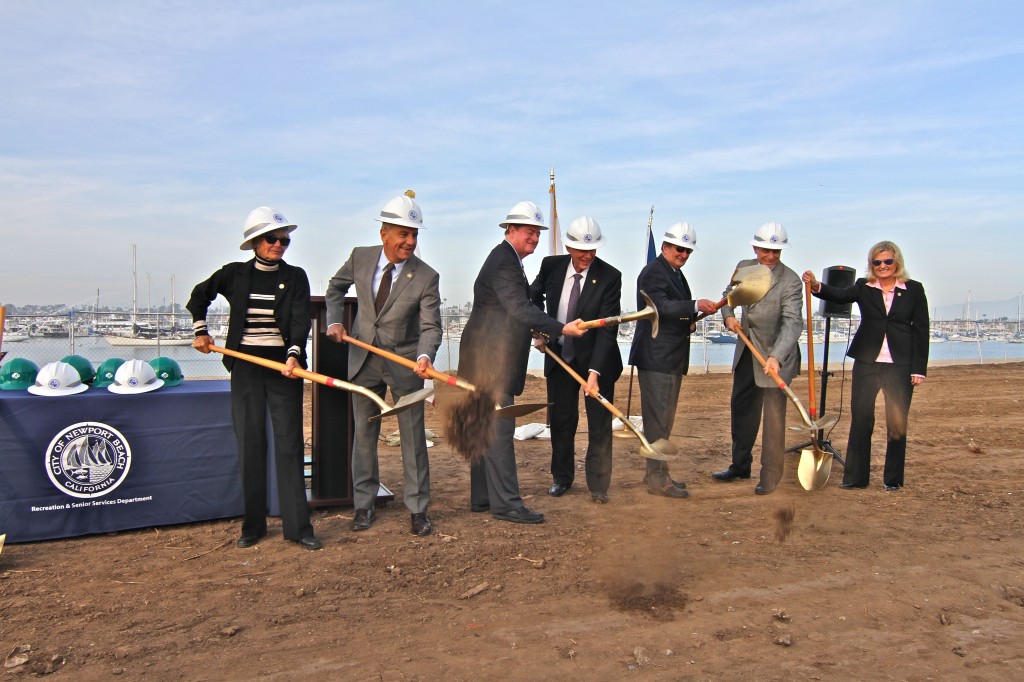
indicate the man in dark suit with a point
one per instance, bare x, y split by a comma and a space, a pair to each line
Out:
399, 311
661, 362
495, 351
581, 285
270, 318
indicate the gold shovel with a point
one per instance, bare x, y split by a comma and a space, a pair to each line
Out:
815, 464
650, 312
403, 404
661, 449
747, 285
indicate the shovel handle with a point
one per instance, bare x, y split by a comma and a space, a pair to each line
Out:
304, 374
3, 318
810, 351
394, 357
626, 422
718, 306
775, 377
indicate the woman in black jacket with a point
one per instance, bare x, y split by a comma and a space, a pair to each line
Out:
890, 350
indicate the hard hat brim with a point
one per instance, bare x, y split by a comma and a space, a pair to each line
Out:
679, 242
127, 390
400, 222
46, 390
264, 229
527, 223
584, 246
769, 245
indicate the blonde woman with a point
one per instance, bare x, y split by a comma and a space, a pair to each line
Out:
890, 350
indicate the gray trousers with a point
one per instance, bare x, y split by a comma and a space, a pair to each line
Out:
659, 396
376, 375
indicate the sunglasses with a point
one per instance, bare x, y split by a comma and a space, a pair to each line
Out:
271, 239
682, 249
887, 261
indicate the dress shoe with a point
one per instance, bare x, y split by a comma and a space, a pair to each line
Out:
892, 488
363, 519
848, 486
519, 515
762, 489
250, 540
479, 507
310, 542
729, 475
421, 524
666, 480
558, 489
599, 498
667, 490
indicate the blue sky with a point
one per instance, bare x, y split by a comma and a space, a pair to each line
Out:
164, 123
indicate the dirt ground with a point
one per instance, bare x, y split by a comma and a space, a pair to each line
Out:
925, 583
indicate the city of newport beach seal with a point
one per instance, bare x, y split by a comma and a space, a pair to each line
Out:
88, 460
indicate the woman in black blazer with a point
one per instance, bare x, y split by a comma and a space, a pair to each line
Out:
890, 350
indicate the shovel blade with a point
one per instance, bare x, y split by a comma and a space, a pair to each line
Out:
520, 410
749, 285
404, 403
814, 469
661, 449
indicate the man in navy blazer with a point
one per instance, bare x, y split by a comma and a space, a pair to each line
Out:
598, 288
400, 311
495, 351
661, 362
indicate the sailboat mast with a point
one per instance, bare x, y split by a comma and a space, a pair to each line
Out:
135, 293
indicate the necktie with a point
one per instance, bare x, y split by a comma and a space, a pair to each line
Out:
384, 289
568, 353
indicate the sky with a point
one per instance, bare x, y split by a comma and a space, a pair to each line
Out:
164, 123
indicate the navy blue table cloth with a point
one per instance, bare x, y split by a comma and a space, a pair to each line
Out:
98, 462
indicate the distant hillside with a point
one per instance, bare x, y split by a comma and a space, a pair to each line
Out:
991, 310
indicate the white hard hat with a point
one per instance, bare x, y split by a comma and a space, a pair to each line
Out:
261, 221
402, 210
135, 376
771, 236
681, 234
58, 378
584, 234
524, 213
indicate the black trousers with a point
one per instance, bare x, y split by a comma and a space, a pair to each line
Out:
894, 382
747, 404
564, 416
254, 390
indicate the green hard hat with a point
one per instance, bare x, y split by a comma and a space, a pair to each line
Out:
18, 374
83, 366
106, 371
167, 369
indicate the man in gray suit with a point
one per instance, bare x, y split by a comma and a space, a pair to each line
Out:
399, 310
773, 325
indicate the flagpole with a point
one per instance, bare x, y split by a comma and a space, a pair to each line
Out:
649, 257
553, 244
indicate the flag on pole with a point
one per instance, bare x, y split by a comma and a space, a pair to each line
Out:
554, 243
652, 253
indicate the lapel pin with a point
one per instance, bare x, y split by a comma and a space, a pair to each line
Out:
593, 281
280, 286
408, 275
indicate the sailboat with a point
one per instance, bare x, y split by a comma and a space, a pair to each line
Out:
143, 333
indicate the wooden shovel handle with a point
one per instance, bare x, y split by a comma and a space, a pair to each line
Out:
775, 377
3, 318
394, 357
272, 364
810, 352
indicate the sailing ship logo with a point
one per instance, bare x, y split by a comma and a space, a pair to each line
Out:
88, 460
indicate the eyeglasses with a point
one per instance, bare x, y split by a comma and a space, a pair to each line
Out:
271, 239
682, 249
887, 261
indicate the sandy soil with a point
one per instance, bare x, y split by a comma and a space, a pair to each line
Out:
925, 583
